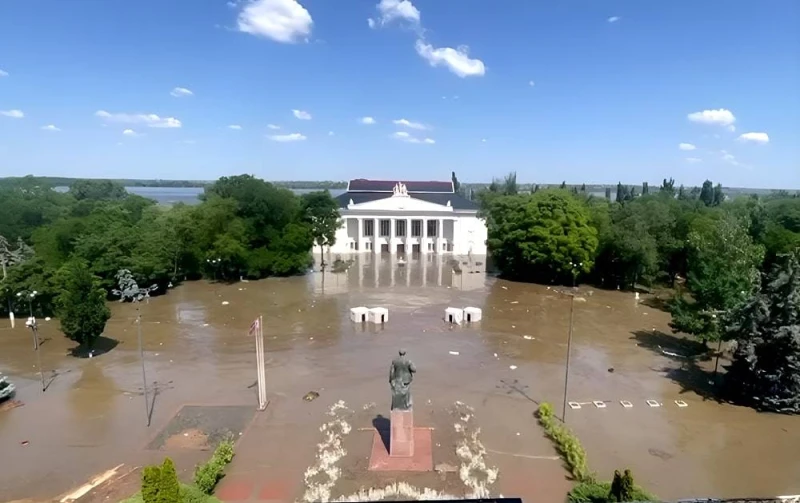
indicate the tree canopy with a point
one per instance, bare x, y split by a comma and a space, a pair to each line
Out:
765, 371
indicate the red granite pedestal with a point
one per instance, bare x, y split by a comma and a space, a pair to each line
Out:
410, 448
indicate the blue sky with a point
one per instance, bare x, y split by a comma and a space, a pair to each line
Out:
593, 91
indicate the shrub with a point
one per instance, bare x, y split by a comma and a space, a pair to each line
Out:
151, 483
600, 492
169, 488
588, 489
208, 474
188, 494
566, 442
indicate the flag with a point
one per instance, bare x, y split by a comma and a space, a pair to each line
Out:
254, 327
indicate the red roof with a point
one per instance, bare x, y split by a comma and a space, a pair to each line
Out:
363, 185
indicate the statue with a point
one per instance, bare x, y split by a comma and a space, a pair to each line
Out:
400, 190
401, 374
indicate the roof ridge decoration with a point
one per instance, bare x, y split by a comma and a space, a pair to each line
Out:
400, 190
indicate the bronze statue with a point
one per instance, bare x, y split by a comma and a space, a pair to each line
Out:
401, 374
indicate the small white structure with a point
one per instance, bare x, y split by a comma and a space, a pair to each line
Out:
379, 315
472, 314
454, 315
359, 314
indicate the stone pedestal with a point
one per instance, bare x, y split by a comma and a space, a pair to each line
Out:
401, 439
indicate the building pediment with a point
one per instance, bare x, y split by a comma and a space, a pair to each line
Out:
394, 203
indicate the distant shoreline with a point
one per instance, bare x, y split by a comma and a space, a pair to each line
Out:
328, 184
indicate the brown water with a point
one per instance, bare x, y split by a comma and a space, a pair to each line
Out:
92, 415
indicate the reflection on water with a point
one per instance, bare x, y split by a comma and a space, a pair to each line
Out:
386, 270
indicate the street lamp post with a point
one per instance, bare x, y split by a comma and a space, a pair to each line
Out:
574, 270
31, 323
30, 296
129, 290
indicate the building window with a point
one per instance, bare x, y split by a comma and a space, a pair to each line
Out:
431, 228
385, 229
400, 228
416, 228
368, 245
430, 247
369, 228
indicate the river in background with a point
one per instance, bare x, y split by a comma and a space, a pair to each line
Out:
197, 351
186, 195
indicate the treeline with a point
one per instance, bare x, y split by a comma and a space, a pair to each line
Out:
57, 181
244, 227
734, 264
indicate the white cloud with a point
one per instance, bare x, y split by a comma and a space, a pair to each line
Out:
236, 127
284, 21
406, 137
150, 120
180, 92
273, 126
330, 133
761, 138
613, 19
14, 114
366, 120
693, 159
302, 115
130, 132
391, 10
531, 83
456, 60
3, 73
686, 146
728, 157
731, 128
410, 124
283, 138
50, 127
720, 117
483, 140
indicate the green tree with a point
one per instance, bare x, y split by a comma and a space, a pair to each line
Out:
723, 266
321, 212
707, 193
765, 369
668, 187
81, 304
97, 190
151, 484
169, 488
544, 236
456, 184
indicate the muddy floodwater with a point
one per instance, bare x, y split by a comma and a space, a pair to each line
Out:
197, 352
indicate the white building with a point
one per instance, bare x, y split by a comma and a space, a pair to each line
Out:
402, 217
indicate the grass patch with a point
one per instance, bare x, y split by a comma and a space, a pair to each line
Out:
588, 489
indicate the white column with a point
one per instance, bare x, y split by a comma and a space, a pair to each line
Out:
392, 238
423, 247
440, 238
376, 248
439, 267
408, 239
360, 234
